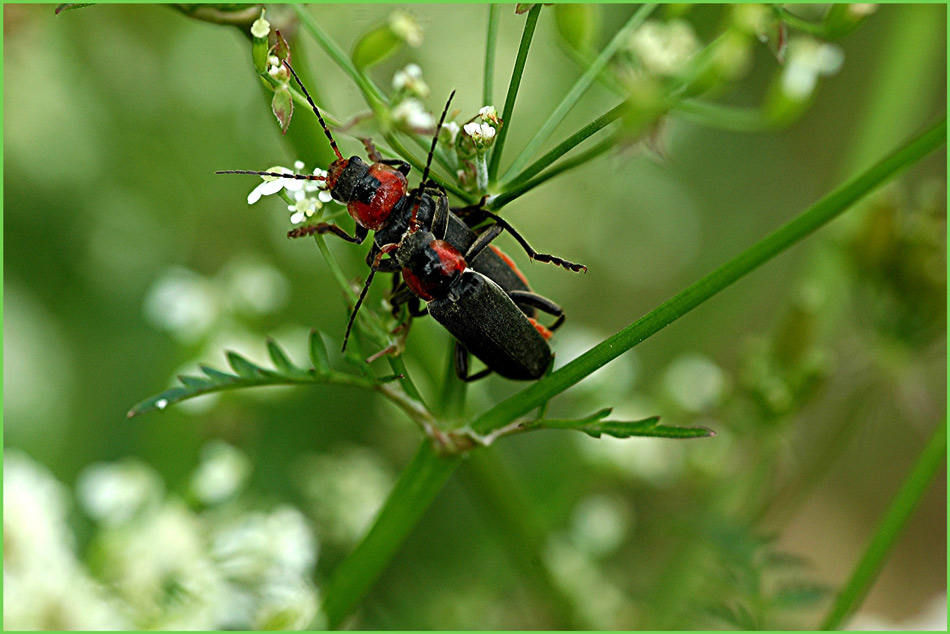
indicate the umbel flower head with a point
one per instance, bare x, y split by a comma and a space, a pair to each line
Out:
308, 196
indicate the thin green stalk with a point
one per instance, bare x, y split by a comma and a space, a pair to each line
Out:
580, 87
488, 87
714, 115
504, 504
826, 209
418, 485
503, 199
427, 473
889, 528
798, 23
335, 269
452, 395
568, 144
530, 23
374, 97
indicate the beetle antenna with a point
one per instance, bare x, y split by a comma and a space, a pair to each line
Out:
413, 199
369, 280
291, 175
435, 139
316, 110
356, 309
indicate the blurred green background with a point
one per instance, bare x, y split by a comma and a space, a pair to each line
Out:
117, 116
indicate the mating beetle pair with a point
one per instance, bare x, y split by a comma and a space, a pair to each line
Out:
475, 292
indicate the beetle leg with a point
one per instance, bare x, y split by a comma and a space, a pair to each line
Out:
461, 365
357, 238
541, 303
534, 255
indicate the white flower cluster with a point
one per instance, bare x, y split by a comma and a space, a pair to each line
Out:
484, 127
808, 59
663, 48
160, 564
191, 306
406, 27
409, 81
309, 196
277, 70
411, 114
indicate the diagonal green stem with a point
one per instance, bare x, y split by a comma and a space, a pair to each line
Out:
530, 23
568, 144
826, 209
889, 528
427, 473
373, 95
488, 85
418, 485
580, 87
506, 197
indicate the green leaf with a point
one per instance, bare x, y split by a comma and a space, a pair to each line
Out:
375, 46
217, 375
242, 366
318, 352
282, 49
577, 24
283, 107
594, 426
279, 359
193, 382
69, 6
797, 596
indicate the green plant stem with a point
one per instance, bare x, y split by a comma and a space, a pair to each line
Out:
798, 23
807, 222
580, 87
418, 485
731, 118
530, 23
491, 40
374, 97
506, 197
427, 473
335, 269
568, 144
889, 528
506, 507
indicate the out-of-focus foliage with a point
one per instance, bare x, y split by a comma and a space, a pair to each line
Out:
128, 263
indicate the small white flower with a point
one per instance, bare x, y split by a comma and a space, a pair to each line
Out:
412, 114
664, 48
807, 60
183, 303
260, 545
452, 129
695, 382
112, 493
274, 184
287, 604
221, 474
253, 286
261, 27
345, 490
409, 80
406, 27
481, 133
488, 114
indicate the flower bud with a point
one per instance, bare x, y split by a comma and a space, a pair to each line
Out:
259, 46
